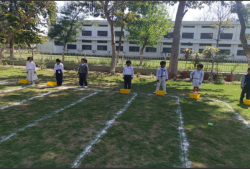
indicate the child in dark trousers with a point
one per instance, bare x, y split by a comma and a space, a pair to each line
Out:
245, 86
58, 68
128, 74
83, 73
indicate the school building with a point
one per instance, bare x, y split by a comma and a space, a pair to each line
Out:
96, 36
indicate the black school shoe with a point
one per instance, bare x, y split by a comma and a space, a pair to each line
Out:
241, 102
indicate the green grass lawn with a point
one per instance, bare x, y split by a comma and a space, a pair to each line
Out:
145, 135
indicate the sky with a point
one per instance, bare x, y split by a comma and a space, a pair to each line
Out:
191, 15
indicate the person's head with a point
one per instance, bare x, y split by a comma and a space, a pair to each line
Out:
248, 70
199, 66
163, 64
128, 62
30, 59
58, 61
83, 60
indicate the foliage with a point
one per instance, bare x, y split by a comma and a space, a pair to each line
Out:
138, 74
219, 80
196, 58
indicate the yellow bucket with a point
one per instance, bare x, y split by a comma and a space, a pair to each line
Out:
24, 81
160, 92
125, 91
194, 96
52, 83
247, 102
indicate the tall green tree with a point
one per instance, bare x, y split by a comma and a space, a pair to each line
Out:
155, 23
25, 12
68, 24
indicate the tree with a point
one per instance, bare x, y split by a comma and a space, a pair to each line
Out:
68, 24
211, 52
196, 58
181, 11
243, 12
154, 24
26, 11
188, 53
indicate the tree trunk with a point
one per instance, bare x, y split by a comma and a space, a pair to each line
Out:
120, 43
12, 48
63, 51
141, 53
173, 63
243, 39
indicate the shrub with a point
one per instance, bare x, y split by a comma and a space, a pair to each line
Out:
219, 80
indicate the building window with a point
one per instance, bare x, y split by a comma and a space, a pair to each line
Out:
102, 41
166, 50
201, 50
241, 53
103, 25
132, 42
227, 26
186, 26
70, 46
118, 41
58, 43
73, 41
223, 51
167, 43
134, 49
121, 49
206, 35
99, 47
169, 35
226, 36
181, 51
206, 26
150, 49
240, 45
224, 45
205, 44
188, 35
87, 25
102, 33
186, 44
118, 33
86, 33
86, 47
86, 41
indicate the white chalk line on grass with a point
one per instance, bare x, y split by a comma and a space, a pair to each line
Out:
32, 98
10, 90
9, 82
183, 137
45, 117
103, 131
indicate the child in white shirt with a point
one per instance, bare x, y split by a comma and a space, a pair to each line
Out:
197, 77
162, 76
58, 72
128, 74
31, 71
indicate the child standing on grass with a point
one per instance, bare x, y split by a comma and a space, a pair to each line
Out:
245, 86
31, 70
128, 74
83, 73
58, 68
196, 77
162, 76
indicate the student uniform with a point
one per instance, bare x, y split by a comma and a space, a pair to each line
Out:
58, 71
31, 69
128, 74
83, 72
197, 76
245, 83
162, 76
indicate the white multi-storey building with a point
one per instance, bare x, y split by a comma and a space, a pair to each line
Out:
194, 34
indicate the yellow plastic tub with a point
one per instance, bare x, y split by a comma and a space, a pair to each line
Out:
194, 96
24, 81
125, 91
160, 92
52, 83
247, 102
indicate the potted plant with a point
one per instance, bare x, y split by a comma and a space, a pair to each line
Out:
187, 55
230, 77
174, 77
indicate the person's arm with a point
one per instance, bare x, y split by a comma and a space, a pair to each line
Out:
55, 69
243, 82
27, 67
166, 74
34, 66
202, 76
191, 75
62, 68
157, 75
123, 73
79, 69
132, 72
87, 69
